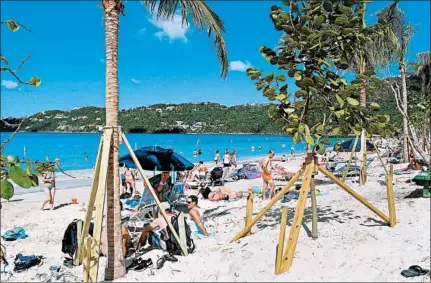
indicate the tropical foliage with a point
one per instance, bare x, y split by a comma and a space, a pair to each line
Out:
319, 39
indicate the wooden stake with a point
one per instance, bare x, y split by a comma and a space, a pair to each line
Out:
156, 199
182, 230
77, 255
249, 209
86, 251
313, 209
297, 219
354, 194
100, 203
381, 160
278, 196
391, 198
280, 247
350, 160
90, 202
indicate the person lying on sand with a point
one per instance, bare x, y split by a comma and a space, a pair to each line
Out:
191, 177
221, 193
156, 232
282, 171
196, 213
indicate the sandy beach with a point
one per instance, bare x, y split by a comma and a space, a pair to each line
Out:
353, 243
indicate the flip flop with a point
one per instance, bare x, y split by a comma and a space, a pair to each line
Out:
413, 271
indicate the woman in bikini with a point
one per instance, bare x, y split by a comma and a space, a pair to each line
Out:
221, 193
48, 179
130, 181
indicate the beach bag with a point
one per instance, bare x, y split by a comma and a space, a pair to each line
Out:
14, 234
172, 245
23, 262
70, 238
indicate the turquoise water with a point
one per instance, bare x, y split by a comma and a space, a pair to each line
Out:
72, 148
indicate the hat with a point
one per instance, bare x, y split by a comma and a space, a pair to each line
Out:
166, 205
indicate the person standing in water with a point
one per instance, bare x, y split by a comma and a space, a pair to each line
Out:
292, 150
267, 174
217, 157
226, 159
233, 158
48, 179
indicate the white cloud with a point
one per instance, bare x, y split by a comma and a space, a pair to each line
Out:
135, 81
9, 84
239, 66
170, 29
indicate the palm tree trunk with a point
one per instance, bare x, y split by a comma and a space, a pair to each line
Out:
363, 101
404, 105
115, 267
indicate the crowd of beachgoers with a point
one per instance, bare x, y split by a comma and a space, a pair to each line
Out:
212, 196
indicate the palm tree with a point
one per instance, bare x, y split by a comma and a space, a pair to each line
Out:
400, 32
202, 17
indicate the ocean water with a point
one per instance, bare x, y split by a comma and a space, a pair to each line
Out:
73, 148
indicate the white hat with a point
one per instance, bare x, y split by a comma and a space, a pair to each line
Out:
166, 205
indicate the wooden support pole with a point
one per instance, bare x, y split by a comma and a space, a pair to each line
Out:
391, 198
313, 209
350, 160
280, 246
363, 175
86, 251
100, 204
297, 219
381, 160
277, 197
91, 200
249, 209
354, 194
156, 199
182, 230
77, 255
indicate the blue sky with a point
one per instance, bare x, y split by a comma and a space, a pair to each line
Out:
159, 62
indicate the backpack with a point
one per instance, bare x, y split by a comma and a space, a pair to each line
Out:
70, 238
172, 245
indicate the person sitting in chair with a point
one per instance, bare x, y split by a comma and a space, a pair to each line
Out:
156, 232
195, 216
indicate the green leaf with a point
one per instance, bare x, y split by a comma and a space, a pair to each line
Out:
269, 78
35, 81
309, 139
352, 101
300, 93
339, 113
325, 62
299, 104
19, 176
12, 25
259, 85
335, 131
356, 131
375, 106
272, 110
298, 75
34, 180
343, 81
341, 20
7, 189
307, 82
281, 96
4, 59
320, 128
297, 137
289, 110
283, 89
280, 78
301, 128
321, 149
268, 92
340, 100
325, 141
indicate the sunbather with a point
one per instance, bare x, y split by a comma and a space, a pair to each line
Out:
195, 216
156, 232
282, 171
221, 193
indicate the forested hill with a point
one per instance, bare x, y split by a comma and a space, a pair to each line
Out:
195, 117
181, 118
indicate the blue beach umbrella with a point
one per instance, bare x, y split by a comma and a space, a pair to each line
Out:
157, 158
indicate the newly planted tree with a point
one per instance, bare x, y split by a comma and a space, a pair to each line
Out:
203, 17
319, 39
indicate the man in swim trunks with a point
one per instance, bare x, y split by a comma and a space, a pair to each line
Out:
267, 175
202, 169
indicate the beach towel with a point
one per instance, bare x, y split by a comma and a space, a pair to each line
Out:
14, 234
132, 203
23, 262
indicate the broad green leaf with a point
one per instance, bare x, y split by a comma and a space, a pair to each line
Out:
335, 131
343, 81
320, 128
321, 149
339, 113
269, 78
19, 176
283, 89
325, 141
34, 180
7, 189
289, 110
356, 131
309, 139
307, 82
259, 85
299, 104
297, 137
281, 96
375, 106
300, 93
272, 110
352, 101
325, 62
301, 128
35, 81
340, 100
280, 78
12, 25
298, 75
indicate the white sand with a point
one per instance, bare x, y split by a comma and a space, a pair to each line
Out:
353, 244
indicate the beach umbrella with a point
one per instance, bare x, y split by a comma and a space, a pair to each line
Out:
157, 158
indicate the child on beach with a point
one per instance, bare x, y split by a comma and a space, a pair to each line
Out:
48, 179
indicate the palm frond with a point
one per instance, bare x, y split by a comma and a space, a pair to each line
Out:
201, 15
